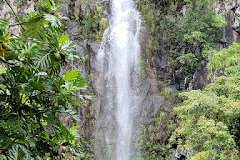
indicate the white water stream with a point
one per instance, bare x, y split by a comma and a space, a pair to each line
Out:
118, 65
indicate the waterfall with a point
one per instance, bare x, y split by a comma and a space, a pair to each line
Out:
118, 67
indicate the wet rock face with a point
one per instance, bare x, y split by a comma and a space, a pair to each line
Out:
73, 28
162, 55
236, 20
229, 32
232, 30
199, 78
180, 154
223, 5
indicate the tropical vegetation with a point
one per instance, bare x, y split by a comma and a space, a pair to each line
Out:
34, 93
38, 97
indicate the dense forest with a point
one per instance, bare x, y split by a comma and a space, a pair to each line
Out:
187, 83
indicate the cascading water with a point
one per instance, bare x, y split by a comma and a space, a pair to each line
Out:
117, 104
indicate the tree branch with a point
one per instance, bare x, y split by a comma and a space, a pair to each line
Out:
11, 25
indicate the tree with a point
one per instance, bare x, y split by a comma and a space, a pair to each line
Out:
33, 95
210, 124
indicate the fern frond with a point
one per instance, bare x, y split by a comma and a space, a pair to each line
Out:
76, 103
74, 132
54, 68
67, 46
64, 38
19, 152
30, 49
49, 6
35, 28
80, 82
53, 20
42, 61
56, 126
14, 153
73, 82
35, 25
53, 39
71, 75
4, 23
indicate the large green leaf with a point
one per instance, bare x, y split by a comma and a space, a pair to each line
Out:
35, 27
80, 82
73, 82
42, 61
64, 38
71, 75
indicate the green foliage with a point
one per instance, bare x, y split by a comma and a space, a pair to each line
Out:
151, 17
210, 123
3, 25
166, 92
191, 31
48, 6
93, 24
154, 150
199, 28
19, 152
46, 20
33, 95
205, 124
219, 21
227, 59
46, 28
2, 70
35, 27
189, 60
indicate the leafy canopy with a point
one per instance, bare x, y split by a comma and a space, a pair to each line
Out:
210, 123
189, 27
